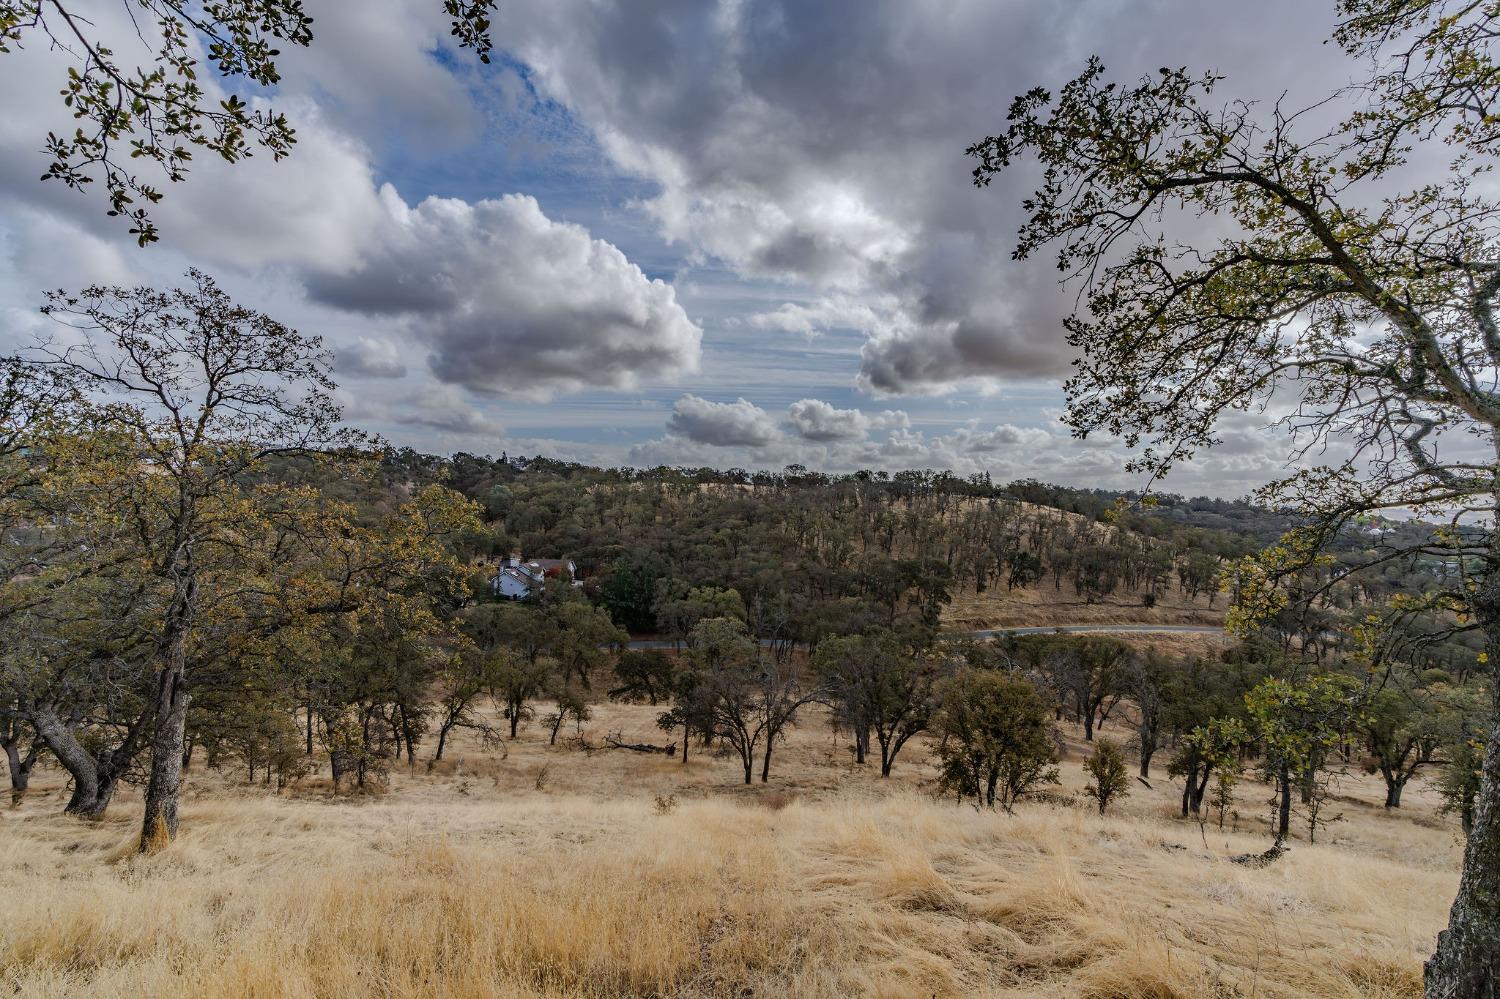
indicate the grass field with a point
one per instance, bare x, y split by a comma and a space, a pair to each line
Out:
562, 871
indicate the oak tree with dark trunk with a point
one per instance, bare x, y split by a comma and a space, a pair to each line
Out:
1321, 264
203, 392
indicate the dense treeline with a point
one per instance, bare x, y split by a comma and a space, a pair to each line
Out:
805, 549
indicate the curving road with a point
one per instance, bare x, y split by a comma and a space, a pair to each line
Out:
1066, 629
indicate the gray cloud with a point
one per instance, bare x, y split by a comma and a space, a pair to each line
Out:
372, 67
722, 424
368, 357
821, 435
441, 408
822, 144
509, 301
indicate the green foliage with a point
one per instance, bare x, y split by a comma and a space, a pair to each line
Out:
1296, 722
876, 684
647, 674
1109, 779
1459, 779
517, 680
568, 703
995, 737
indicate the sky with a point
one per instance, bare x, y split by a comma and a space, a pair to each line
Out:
733, 233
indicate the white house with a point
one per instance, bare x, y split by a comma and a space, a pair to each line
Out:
517, 578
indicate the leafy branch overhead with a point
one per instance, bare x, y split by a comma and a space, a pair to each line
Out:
1348, 291
140, 123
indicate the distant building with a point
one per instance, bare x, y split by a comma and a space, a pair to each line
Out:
518, 578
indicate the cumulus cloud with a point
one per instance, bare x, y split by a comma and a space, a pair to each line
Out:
818, 317
317, 206
509, 301
504, 299
404, 92
1005, 437
441, 408
816, 420
820, 435
722, 424
370, 357
823, 145
49, 250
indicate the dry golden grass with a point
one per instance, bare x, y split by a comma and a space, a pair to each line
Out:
464, 881
1044, 605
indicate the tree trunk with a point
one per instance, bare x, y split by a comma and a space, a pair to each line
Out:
1147, 751
93, 783
1467, 962
338, 766
1284, 809
765, 763
159, 827
1202, 788
20, 766
1393, 788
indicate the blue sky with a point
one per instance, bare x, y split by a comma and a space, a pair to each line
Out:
728, 233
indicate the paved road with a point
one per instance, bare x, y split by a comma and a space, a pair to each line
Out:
1089, 629
1067, 629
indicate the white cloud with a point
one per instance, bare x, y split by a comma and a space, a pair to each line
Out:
502, 298
816, 420
722, 424
509, 301
1003, 438
816, 317
372, 66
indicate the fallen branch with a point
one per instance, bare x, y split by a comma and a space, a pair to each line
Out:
1261, 859
613, 741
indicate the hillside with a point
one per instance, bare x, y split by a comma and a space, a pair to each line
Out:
556, 871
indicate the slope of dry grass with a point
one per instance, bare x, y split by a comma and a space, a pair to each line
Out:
466, 880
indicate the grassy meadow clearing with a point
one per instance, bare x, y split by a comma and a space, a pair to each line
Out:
567, 871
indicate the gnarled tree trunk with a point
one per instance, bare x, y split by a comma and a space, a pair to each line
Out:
159, 826
94, 778
1467, 962
18, 762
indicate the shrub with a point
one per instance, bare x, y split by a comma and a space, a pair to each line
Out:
995, 737
1107, 771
